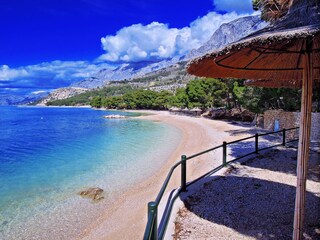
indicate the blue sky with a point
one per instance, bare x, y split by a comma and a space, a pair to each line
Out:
46, 44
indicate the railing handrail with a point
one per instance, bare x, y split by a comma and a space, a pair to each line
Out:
151, 231
203, 152
165, 184
150, 225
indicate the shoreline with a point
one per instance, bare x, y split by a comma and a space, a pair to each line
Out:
59, 208
126, 217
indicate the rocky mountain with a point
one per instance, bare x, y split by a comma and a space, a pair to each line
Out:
168, 78
125, 71
173, 73
11, 99
228, 33
62, 93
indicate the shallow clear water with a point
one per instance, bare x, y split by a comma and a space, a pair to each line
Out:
47, 155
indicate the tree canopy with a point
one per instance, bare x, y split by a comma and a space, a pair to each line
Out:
205, 94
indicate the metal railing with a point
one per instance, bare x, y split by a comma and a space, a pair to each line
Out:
153, 231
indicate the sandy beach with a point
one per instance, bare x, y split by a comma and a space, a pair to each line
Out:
127, 217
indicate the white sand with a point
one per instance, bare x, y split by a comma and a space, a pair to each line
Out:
126, 219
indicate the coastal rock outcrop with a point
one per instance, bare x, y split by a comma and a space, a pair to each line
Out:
94, 193
62, 93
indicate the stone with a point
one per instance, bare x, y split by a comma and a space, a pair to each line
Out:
92, 193
234, 114
217, 113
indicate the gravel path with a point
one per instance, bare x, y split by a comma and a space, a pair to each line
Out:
252, 200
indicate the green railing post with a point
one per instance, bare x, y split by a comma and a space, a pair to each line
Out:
183, 173
224, 154
284, 137
256, 142
153, 209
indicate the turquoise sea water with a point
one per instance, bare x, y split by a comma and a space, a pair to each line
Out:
47, 155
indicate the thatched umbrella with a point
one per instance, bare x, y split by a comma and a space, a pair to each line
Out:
196, 111
288, 50
174, 109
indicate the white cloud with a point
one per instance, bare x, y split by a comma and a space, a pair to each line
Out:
7, 73
239, 6
12, 89
158, 41
64, 70
39, 92
46, 75
138, 42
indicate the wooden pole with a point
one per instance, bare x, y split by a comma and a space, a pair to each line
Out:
304, 142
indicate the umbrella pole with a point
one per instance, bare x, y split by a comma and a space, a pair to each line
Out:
304, 143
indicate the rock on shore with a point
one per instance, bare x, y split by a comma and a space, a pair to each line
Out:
93, 193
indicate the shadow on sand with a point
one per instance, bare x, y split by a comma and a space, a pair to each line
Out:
253, 207
256, 207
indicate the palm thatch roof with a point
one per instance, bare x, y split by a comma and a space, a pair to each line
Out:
273, 53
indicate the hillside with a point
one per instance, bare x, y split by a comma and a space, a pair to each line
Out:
168, 78
84, 98
62, 93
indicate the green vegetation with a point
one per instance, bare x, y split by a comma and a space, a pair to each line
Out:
260, 99
138, 99
86, 98
202, 93
206, 93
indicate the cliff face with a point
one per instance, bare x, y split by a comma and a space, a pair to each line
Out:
62, 93
228, 33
